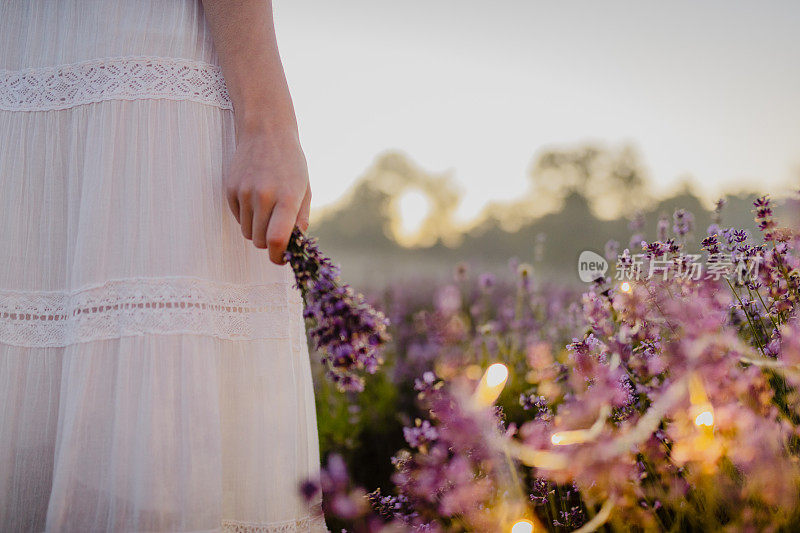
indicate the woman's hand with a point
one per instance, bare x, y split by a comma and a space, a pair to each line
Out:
268, 190
267, 186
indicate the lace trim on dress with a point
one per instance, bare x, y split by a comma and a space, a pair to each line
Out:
115, 78
135, 306
314, 522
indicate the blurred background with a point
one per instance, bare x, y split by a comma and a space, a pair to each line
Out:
450, 142
449, 130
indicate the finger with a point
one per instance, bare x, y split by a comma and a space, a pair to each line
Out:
233, 203
305, 210
261, 216
246, 218
281, 224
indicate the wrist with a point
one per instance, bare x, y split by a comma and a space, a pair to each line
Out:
273, 136
264, 125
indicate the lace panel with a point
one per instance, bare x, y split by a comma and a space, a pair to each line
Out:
135, 306
314, 522
116, 78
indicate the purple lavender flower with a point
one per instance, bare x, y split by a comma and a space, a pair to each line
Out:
636, 224
711, 244
393, 507
763, 218
573, 518
347, 329
662, 228
539, 405
309, 488
635, 240
486, 281
630, 353
420, 434
448, 299
426, 382
540, 491
683, 222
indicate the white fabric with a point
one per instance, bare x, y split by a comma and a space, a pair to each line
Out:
112, 78
154, 372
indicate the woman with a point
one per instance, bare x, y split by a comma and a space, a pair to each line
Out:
154, 373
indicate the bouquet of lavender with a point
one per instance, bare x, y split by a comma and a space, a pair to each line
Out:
347, 330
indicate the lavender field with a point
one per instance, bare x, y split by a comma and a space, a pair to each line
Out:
661, 396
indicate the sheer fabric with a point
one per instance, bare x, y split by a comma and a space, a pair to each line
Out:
154, 372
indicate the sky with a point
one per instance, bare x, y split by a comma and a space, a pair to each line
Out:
707, 90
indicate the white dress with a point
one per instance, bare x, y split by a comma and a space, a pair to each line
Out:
154, 372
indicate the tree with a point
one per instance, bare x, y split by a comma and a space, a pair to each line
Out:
612, 179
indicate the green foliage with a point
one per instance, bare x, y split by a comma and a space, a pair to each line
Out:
364, 428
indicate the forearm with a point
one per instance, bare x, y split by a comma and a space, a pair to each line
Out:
244, 37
